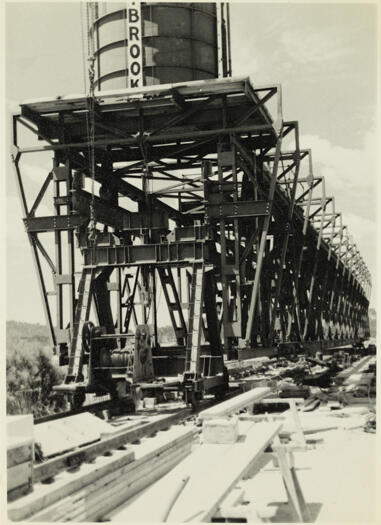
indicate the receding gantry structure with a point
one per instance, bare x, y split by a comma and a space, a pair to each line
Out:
193, 195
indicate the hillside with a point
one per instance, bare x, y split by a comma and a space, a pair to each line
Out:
32, 372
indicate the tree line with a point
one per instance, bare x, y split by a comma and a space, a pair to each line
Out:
32, 370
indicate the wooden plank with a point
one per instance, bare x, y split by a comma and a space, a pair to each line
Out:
57, 437
18, 492
118, 484
291, 401
291, 483
52, 467
298, 427
103, 469
131, 486
45, 495
236, 513
18, 455
284, 400
262, 417
213, 471
237, 403
234, 498
96, 499
355, 367
19, 475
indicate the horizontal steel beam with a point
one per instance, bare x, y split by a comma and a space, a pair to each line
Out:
190, 233
155, 139
176, 253
239, 209
53, 223
116, 216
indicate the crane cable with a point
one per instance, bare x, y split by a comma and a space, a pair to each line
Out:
85, 76
92, 235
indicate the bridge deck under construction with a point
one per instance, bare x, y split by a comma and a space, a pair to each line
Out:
194, 192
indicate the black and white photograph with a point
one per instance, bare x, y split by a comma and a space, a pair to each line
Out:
190, 262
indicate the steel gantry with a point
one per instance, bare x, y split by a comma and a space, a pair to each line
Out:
195, 194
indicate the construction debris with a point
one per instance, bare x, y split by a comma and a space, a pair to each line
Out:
285, 420
370, 425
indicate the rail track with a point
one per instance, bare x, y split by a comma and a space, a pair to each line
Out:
128, 428
90, 407
234, 367
146, 426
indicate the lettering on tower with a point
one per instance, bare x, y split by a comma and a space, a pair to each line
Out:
134, 45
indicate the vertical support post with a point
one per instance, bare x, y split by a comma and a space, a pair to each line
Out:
286, 236
130, 305
119, 326
70, 240
228, 39
266, 224
192, 361
219, 40
237, 240
154, 298
36, 259
179, 285
58, 247
315, 267
168, 284
224, 279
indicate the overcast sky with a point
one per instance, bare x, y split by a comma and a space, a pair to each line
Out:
324, 55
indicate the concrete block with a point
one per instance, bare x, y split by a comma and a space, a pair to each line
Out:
222, 431
150, 402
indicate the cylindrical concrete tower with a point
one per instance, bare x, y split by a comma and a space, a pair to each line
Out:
140, 44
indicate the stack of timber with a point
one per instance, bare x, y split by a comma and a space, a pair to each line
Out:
116, 475
206, 484
103, 484
20, 454
194, 489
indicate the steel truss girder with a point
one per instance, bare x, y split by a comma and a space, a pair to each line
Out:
268, 231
